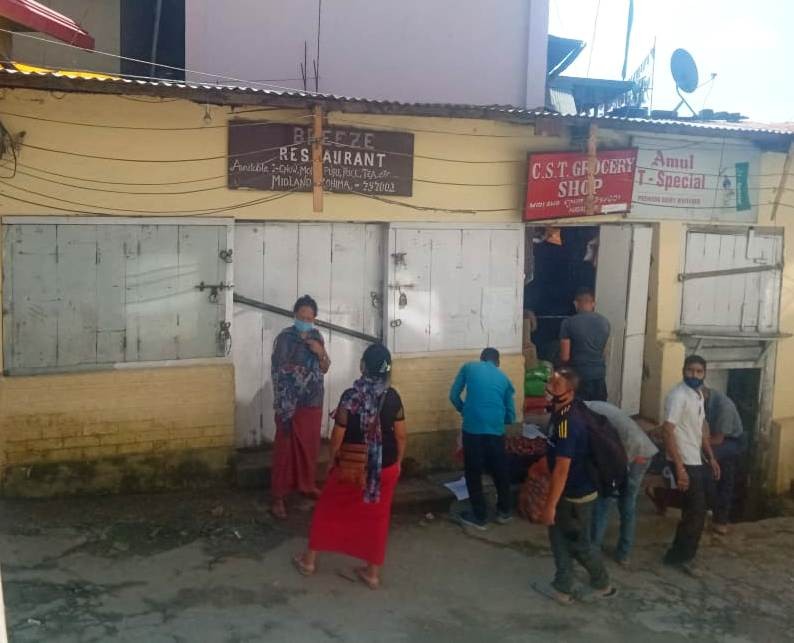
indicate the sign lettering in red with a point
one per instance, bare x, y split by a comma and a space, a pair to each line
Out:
557, 184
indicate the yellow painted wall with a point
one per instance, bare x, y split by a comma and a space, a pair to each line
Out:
201, 185
62, 418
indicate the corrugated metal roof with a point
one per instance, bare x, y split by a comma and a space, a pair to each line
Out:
218, 94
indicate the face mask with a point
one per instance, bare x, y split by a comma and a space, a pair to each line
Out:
303, 326
553, 401
693, 382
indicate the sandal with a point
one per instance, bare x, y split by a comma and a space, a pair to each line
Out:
303, 568
359, 575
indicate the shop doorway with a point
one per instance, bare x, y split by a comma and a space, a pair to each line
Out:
614, 261
743, 387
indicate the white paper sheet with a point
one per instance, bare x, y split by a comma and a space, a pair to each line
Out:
458, 487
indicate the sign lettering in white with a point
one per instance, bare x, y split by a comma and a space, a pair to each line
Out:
696, 180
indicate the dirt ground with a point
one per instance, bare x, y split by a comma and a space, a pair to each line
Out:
214, 567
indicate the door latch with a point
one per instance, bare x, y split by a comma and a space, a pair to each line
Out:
214, 290
226, 255
394, 323
399, 259
225, 337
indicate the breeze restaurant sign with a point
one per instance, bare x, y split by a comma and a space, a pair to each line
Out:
696, 180
557, 184
276, 157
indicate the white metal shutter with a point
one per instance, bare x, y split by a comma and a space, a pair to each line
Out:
87, 295
341, 266
732, 280
624, 258
455, 288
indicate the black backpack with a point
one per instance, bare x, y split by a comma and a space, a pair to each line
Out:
608, 462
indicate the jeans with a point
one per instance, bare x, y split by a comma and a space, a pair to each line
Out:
627, 510
593, 390
728, 455
484, 452
570, 540
693, 518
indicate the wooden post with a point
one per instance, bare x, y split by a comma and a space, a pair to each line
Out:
317, 159
592, 145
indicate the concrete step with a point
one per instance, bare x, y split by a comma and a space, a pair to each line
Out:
251, 470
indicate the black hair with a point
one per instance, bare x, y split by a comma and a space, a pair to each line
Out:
377, 361
306, 301
490, 355
695, 359
584, 291
569, 375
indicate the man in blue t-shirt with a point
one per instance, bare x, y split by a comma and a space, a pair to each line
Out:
488, 408
572, 493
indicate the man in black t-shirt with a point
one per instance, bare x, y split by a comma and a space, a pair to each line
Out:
583, 340
572, 494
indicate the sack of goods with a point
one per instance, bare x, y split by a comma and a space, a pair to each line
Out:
534, 491
535, 380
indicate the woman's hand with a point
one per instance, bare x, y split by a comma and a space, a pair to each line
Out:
315, 347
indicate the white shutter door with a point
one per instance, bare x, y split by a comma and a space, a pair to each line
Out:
612, 288
636, 316
624, 254
455, 288
746, 298
341, 266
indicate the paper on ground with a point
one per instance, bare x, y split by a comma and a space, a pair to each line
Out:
458, 487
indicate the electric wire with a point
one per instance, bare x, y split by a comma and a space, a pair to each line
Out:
163, 66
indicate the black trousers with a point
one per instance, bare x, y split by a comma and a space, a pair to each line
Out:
570, 541
593, 390
486, 453
720, 493
693, 518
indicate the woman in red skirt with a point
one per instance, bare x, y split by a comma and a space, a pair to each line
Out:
367, 446
299, 363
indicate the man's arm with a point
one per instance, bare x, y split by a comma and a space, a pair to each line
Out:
682, 477
565, 343
457, 388
565, 351
510, 407
715, 466
558, 479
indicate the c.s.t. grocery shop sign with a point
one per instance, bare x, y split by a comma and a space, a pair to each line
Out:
557, 183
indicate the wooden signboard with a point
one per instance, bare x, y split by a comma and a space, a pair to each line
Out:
278, 157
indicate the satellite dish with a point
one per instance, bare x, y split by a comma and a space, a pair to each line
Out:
685, 71
685, 74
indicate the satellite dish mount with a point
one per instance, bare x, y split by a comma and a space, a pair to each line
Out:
685, 74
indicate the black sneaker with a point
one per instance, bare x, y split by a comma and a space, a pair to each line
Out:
504, 518
468, 519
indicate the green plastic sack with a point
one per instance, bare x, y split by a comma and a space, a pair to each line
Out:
534, 388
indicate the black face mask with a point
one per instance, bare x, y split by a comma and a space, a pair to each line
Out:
552, 402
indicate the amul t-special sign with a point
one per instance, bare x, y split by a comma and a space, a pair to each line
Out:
278, 157
557, 183
696, 179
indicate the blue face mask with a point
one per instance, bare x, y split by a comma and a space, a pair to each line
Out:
693, 382
303, 326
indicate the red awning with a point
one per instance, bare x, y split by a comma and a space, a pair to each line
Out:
30, 15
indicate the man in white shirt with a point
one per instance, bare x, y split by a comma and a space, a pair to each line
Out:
686, 438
